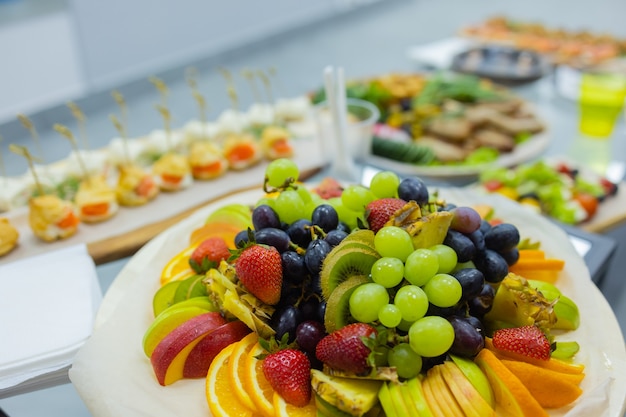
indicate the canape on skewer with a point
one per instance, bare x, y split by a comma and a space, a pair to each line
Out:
276, 143
8, 236
206, 160
260, 114
196, 130
231, 122
172, 172
51, 218
96, 200
293, 109
135, 187
242, 151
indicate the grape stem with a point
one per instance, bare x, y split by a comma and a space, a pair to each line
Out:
289, 183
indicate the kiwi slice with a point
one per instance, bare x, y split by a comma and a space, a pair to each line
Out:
364, 236
337, 312
347, 261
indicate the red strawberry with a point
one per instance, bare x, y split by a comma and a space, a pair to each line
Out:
209, 254
528, 341
380, 211
344, 350
288, 372
260, 270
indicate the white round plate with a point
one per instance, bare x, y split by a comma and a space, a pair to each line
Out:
114, 377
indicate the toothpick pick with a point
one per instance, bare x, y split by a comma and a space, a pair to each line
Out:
161, 87
119, 99
23, 151
80, 117
266, 82
230, 88
167, 120
122, 132
33, 133
249, 75
64, 131
191, 75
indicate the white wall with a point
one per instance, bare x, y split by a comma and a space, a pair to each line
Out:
39, 65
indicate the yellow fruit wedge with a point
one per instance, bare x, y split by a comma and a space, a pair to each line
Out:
468, 397
414, 388
222, 400
511, 395
177, 266
283, 409
237, 369
476, 377
261, 391
551, 389
553, 364
384, 396
443, 395
431, 397
396, 396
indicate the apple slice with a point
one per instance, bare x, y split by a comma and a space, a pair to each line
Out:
200, 357
468, 397
170, 319
476, 376
413, 388
169, 356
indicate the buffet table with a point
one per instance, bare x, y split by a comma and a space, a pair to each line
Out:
300, 58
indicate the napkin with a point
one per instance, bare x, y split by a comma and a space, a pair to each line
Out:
48, 307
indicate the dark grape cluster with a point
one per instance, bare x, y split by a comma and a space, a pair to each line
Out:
303, 245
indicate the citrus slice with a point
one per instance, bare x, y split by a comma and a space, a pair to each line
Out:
177, 266
237, 369
283, 409
222, 400
261, 391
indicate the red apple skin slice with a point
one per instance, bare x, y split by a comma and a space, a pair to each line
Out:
170, 354
201, 356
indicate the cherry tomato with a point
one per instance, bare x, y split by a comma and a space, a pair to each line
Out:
588, 202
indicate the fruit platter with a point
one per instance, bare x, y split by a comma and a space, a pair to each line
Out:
560, 189
448, 125
312, 305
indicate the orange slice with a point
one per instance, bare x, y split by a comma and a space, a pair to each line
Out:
222, 400
261, 391
227, 231
283, 409
177, 266
237, 369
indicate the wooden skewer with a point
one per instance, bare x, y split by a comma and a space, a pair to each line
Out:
268, 85
273, 72
249, 75
230, 88
23, 151
33, 132
191, 75
65, 132
119, 99
167, 121
80, 118
122, 132
161, 87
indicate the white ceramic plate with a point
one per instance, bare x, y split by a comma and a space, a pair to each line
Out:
115, 378
524, 152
